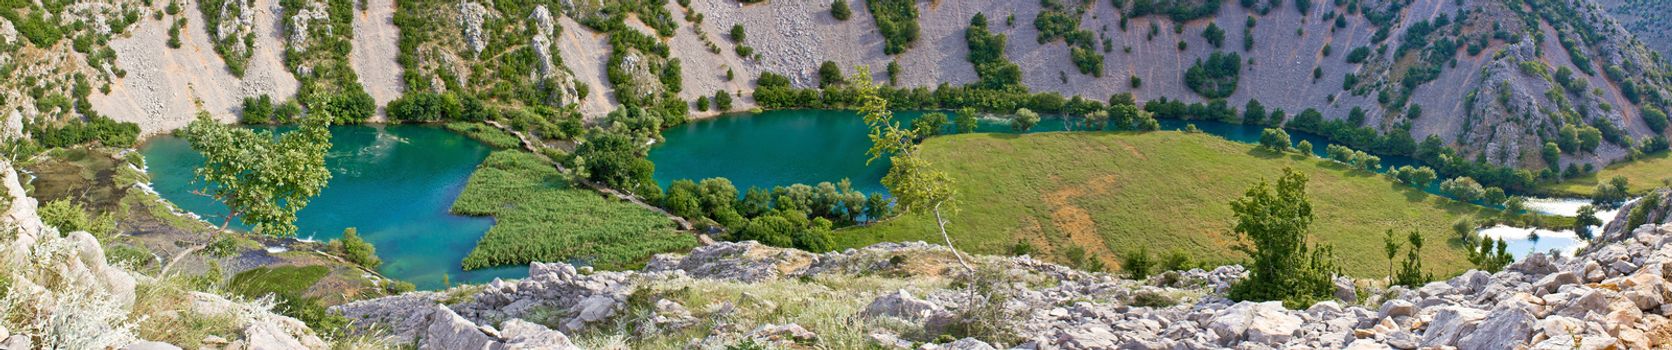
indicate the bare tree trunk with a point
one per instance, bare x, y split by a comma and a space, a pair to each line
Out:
942, 224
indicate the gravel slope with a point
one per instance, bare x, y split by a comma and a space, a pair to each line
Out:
165, 87
376, 44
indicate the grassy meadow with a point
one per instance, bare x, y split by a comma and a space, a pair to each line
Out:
1112, 193
1642, 175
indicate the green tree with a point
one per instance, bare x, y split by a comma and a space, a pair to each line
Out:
1214, 35
1552, 155
1611, 193
878, 207
831, 75
1025, 119
716, 195
1488, 259
966, 120
1390, 247
263, 180
1410, 272
929, 125
1275, 140
1463, 189
1305, 147
357, 250
1277, 223
915, 184
755, 202
682, 199
1586, 218
722, 101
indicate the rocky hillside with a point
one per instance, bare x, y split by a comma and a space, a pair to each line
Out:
1497, 80
912, 296
58, 291
1648, 19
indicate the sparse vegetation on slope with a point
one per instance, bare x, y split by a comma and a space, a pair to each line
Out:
320, 59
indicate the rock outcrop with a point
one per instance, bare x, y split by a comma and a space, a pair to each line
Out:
75, 299
1613, 296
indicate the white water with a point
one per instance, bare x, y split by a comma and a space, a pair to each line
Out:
1523, 241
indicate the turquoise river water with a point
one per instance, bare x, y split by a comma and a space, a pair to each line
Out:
394, 184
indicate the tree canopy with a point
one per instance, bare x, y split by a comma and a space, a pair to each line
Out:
262, 178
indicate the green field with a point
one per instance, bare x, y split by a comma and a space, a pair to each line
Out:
1111, 193
1643, 175
539, 217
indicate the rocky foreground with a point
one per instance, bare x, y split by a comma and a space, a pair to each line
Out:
1613, 296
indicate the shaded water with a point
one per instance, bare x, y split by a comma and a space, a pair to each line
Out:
393, 183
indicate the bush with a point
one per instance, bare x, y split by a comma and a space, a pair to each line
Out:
1358, 55
1214, 35
722, 101
830, 74
257, 110
1137, 264
1215, 78
1463, 189
70, 217
839, 9
702, 103
1025, 119
357, 250
897, 21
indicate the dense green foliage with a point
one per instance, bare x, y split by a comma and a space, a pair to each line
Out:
1274, 140
262, 178
987, 55
98, 129
1215, 78
897, 21
540, 216
1285, 266
356, 249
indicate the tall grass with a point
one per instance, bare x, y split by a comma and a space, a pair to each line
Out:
540, 217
